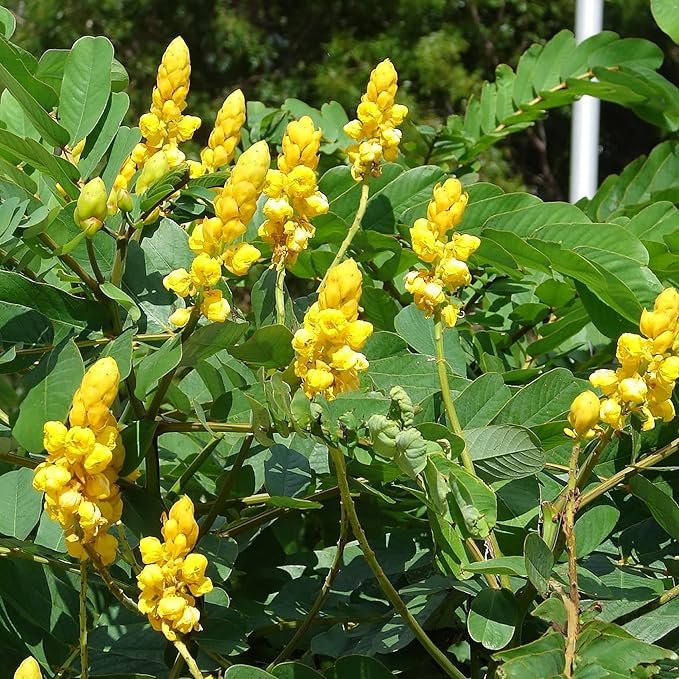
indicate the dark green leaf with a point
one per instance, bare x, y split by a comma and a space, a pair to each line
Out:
269, 347
20, 504
492, 618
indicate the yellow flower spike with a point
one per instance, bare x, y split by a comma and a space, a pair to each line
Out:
172, 82
29, 669
182, 511
375, 128
584, 414
226, 134
342, 289
300, 145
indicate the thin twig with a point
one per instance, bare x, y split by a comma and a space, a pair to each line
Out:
195, 465
280, 293
84, 663
188, 659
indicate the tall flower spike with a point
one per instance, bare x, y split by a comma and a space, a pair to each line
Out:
645, 380
375, 129
294, 198
173, 577
328, 359
226, 134
446, 256
216, 241
83, 460
165, 126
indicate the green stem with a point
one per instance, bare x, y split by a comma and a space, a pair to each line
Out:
664, 598
280, 294
84, 664
113, 586
353, 229
181, 482
122, 240
569, 532
322, 595
66, 665
236, 428
454, 422
188, 659
619, 477
389, 590
227, 486
128, 554
92, 256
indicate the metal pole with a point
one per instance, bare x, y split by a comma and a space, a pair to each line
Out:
585, 124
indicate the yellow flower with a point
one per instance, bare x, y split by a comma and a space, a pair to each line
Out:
450, 314
172, 82
610, 412
151, 550
584, 414
300, 145
54, 436
342, 289
180, 317
214, 307
226, 134
633, 390
180, 282
447, 205
425, 244
29, 669
205, 271
454, 273
606, 380
154, 169
239, 258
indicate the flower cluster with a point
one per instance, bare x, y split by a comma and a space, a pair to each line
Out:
173, 577
327, 347
214, 240
445, 256
80, 471
29, 669
645, 380
165, 126
293, 193
375, 129
225, 136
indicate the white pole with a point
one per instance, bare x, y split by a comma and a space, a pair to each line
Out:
585, 125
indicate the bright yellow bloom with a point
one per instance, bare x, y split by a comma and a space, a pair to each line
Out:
80, 471
205, 271
180, 282
327, 348
180, 317
29, 669
375, 129
173, 577
450, 314
584, 414
226, 134
214, 307
239, 258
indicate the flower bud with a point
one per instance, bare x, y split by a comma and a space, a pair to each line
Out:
584, 413
633, 390
91, 209
29, 669
182, 511
151, 550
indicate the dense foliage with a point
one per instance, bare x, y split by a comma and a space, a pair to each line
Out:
296, 394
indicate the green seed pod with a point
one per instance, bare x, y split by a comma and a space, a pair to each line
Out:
91, 209
383, 433
403, 406
412, 451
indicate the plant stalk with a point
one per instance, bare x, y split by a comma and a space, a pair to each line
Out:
280, 293
188, 659
84, 663
389, 590
353, 229
181, 482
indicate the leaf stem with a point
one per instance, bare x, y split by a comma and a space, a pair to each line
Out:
195, 465
227, 486
84, 664
454, 422
353, 229
188, 659
92, 256
280, 293
113, 586
569, 531
322, 595
389, 590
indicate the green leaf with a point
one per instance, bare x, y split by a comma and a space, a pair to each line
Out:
418, 331
663, 508
20, 504
539, 562
123, 144
504, 451
505, 565
7, 22
86, 85
666, 15
53, 384
30, 151
246, 672
541, 658
482, 400
122, 298
593, 527
158, 364
207, 340
492, 618
120, 349
136, 437
50, 534
221, 553
268, 347
380, 308
102, 136
294, 670
36, 98
287, 473
545, 399
358, 667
